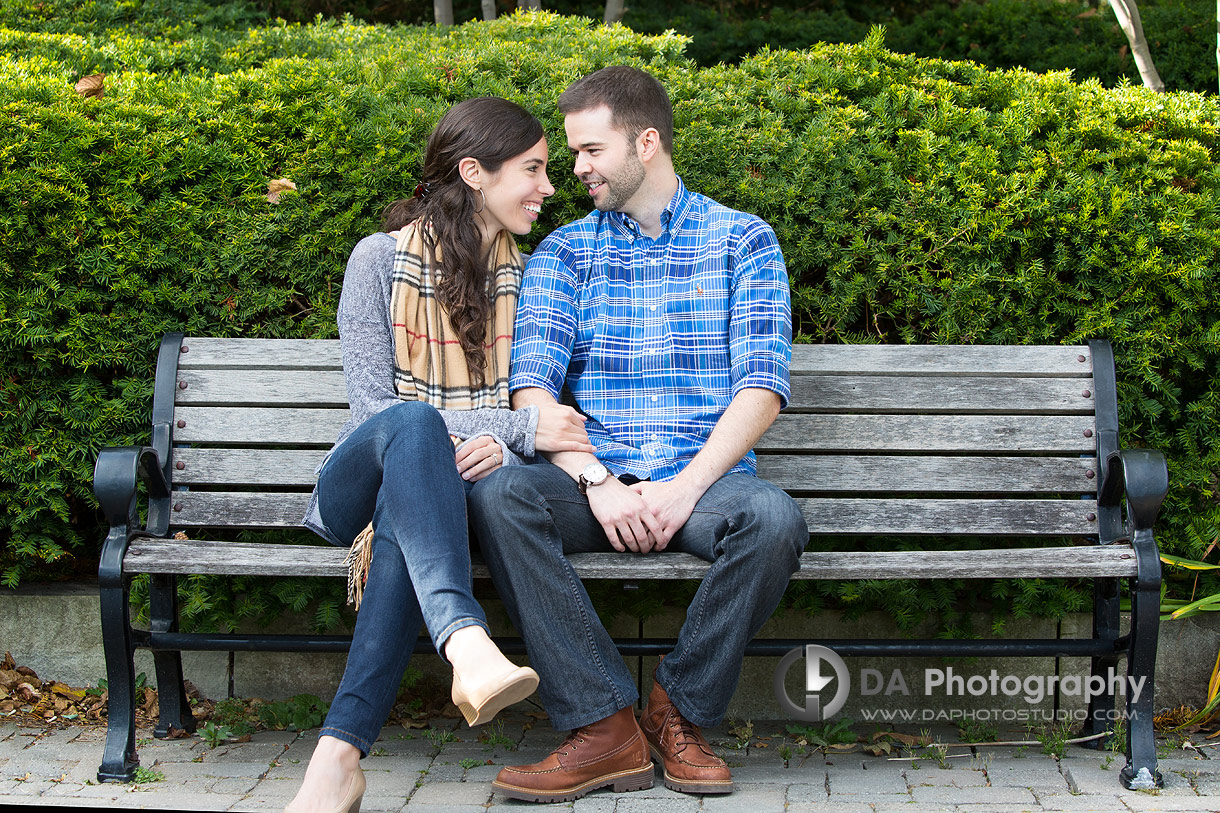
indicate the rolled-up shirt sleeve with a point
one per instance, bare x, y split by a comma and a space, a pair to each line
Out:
760, 313
546, 319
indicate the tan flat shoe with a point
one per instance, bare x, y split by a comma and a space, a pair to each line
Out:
351, 802
482, 703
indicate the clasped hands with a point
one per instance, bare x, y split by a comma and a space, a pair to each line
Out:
642, 517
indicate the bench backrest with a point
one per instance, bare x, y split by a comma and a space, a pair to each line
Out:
877, 439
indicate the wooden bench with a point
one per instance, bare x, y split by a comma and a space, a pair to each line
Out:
1015, 443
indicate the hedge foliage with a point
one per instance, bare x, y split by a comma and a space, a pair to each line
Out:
1039, 35
916, 201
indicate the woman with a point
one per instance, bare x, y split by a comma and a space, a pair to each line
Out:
425, 321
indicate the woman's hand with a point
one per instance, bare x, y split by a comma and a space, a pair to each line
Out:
561, 429
478, 458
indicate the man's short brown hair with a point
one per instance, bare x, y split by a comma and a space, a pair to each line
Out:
636, 100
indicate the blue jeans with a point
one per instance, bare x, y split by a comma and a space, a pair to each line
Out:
397, 469
527, 518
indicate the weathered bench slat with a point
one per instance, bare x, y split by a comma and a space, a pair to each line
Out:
899, 394
236, 426
929, 433
253, 559
255, 509
821, 473
1044, 361
1031, 360
317, 388
949, 517
273, 354
898, 474
813, 393
795, 432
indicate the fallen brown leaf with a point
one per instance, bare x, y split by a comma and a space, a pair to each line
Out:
64, 690
27, 671
885, 747
8, 662
92, 86
278, 186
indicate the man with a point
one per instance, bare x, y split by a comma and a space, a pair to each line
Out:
667, 315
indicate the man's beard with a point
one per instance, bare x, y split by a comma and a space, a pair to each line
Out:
622, 185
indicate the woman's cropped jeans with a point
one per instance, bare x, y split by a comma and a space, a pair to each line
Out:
397, 470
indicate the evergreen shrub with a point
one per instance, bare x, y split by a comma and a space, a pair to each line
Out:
916, 201
1039, 35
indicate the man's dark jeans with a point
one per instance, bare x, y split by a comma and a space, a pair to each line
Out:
527, 517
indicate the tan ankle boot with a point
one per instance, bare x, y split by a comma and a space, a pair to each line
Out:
610, 752
686, 757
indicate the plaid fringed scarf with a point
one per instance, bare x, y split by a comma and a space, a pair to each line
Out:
429, 363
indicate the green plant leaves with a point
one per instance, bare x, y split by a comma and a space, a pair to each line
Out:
916, 200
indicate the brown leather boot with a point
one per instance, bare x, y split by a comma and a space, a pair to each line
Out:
610, 752
686, 757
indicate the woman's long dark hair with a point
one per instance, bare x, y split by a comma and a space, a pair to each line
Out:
491, 130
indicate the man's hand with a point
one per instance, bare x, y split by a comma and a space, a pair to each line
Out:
624, 516
671, 503
561, 429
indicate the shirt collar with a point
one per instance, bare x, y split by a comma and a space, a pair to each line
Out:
672, 216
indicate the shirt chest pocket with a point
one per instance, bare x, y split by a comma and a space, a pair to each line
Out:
697, 319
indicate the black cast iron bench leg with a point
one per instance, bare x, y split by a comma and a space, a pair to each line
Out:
1140, 772
119, 760
1105, 628
174, 707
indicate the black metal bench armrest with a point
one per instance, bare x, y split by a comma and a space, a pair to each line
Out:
118, 472
1143, 476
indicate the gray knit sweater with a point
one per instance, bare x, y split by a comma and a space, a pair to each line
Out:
367, 341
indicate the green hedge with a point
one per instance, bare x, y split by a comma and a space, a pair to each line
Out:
1040, 35
916, 201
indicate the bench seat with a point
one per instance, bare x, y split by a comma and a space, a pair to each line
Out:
186, 557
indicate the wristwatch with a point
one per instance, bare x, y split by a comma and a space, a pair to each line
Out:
593, 474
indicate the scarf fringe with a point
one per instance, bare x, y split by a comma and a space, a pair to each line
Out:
357, 561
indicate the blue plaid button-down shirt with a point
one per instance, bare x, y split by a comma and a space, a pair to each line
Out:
655, 337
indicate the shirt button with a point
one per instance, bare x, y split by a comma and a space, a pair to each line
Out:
654, 437
654, 399
656, 261
653, 308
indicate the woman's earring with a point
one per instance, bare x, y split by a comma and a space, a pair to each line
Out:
483, 198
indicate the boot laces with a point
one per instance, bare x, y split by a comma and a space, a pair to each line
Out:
571, 742
685, 731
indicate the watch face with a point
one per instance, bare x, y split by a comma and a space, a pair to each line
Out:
595, 473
